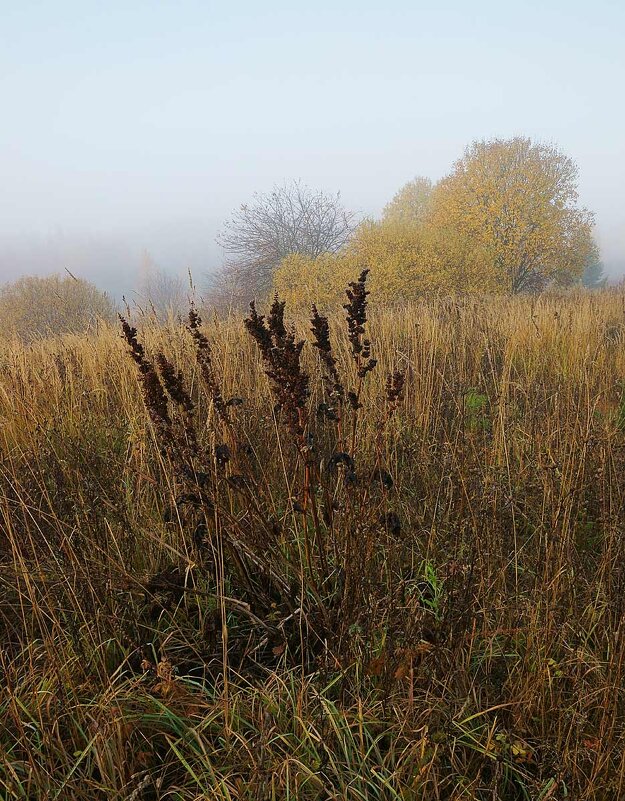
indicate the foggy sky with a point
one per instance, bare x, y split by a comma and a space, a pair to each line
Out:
133, 125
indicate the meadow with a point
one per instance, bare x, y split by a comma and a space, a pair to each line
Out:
387, 563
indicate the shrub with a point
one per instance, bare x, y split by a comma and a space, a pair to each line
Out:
35, 307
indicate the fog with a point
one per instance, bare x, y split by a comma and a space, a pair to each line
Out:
133, 127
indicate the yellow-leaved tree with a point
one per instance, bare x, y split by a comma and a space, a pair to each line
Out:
411, 204
515, 201
406, 260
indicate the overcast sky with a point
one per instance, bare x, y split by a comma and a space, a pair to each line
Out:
129, 125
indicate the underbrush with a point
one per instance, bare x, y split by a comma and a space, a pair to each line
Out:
376, 556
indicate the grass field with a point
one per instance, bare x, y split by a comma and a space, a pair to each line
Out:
322, 584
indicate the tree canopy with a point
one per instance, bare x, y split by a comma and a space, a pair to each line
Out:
516, 201
505, 220
410, 204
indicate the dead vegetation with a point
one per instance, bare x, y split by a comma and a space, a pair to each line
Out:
376, 556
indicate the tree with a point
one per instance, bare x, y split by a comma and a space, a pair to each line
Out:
34, 307
516, 202
289, 219
411, 203
594, 276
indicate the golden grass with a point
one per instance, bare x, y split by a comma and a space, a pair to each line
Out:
483, 658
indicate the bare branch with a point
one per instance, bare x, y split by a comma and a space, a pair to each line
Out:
289, 219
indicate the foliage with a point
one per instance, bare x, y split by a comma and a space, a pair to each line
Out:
410, 205
302, 281
504, 221
516, 201
34, 307
409, 261
397, 251
476, 410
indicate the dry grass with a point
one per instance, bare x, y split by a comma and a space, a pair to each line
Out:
303, 629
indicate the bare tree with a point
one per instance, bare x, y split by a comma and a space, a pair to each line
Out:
290, 219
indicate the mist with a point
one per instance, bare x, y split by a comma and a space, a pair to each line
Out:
140, 127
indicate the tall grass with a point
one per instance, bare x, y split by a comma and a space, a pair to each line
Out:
315, 582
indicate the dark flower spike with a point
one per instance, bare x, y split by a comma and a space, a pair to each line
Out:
137, 350
174, 383
324, 410
321, 340
256, 327
153, 392
356, 309
281, 355
276, 320
222, 454
354, 403
204, 359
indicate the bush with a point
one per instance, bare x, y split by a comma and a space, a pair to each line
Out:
35, 307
